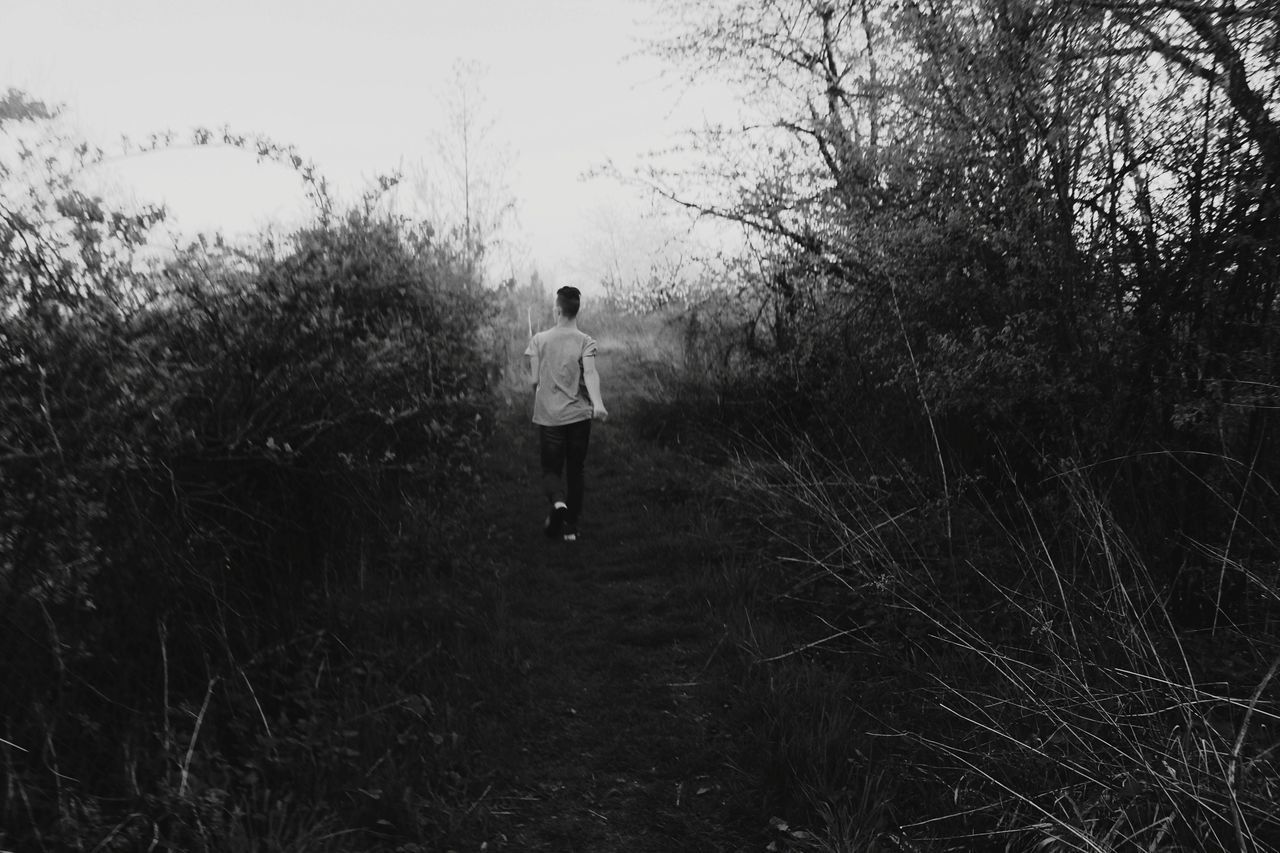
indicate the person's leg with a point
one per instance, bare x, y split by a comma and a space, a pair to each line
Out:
551, 455
552, 447
578, 436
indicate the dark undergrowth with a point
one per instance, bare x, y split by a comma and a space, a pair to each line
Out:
980, 666
238, 605
353, 731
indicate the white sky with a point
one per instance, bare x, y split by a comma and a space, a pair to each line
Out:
356, 86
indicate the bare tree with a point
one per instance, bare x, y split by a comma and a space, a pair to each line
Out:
465, 184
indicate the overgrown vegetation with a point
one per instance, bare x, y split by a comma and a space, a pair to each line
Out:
234, 604
1007, 350
996, 378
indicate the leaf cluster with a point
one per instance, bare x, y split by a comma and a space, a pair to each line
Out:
189, 449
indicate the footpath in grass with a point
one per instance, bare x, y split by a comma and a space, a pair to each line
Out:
613, 737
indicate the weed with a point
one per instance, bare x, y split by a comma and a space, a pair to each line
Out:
1057, 701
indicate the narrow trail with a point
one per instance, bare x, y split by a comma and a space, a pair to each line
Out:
614, 738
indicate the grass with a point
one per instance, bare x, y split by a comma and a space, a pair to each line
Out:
975, 668
344, 728
476, 685
753, 647
613, 736
1035, 695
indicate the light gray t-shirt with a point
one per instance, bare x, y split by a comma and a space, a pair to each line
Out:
562, 396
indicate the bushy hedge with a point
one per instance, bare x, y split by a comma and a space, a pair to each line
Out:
188, 453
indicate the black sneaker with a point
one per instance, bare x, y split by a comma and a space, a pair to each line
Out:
570, 532
554, 525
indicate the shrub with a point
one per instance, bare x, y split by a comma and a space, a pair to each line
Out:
191, 451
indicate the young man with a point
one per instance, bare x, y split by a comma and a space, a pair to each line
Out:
562, 368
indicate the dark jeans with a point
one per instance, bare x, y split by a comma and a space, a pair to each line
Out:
564, 451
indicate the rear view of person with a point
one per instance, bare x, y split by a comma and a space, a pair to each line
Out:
562, 368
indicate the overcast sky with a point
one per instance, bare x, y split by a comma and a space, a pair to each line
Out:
356, 85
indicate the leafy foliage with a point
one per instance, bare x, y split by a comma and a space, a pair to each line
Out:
191, 451
1018, 196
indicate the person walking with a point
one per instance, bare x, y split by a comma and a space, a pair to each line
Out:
566, 399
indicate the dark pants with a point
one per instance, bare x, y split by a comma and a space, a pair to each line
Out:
564, 452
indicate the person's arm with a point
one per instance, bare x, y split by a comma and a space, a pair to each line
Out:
591, 377
531, 361
531, 364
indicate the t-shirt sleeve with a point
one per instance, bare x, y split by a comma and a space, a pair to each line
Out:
589, 347
532, 348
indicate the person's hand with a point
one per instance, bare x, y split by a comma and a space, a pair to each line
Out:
599, 412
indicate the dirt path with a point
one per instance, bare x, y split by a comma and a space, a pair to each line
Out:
614, 739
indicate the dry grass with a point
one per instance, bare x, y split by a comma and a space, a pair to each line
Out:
1035, 691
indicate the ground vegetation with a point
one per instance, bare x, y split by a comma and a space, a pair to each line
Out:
233, 480
1006, 335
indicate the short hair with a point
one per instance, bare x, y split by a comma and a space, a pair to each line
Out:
569, 300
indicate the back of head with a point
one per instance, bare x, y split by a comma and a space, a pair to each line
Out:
568, 300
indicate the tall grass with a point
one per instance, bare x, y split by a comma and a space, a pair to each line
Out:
1028, 685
